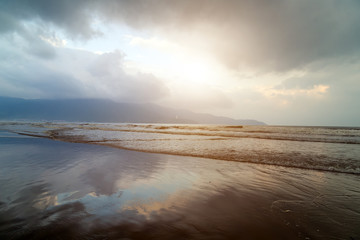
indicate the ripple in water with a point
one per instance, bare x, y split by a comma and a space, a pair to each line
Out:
335, 149
51, 189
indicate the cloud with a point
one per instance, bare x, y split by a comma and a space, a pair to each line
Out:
108, 68
25, 37
75, 74
35, 82
72, 16
274, 35
260, 42
327, 96
198, 98
315, 91
29, 77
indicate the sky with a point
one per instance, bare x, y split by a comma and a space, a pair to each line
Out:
284, 62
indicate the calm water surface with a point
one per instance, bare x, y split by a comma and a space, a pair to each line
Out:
51, 189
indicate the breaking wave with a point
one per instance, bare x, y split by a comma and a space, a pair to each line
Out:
334, 149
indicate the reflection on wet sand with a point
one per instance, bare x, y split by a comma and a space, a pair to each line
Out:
78, 191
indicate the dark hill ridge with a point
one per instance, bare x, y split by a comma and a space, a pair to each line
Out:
102, 110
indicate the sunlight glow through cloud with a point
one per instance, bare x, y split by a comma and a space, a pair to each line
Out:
315, 91
224, 58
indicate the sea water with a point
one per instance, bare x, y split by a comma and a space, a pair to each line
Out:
280, 182
335, 149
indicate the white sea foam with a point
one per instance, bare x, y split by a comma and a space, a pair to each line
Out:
319, 148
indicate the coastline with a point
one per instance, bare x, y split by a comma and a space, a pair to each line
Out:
300, 147
90, 190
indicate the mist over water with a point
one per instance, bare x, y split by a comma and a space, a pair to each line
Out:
71, 190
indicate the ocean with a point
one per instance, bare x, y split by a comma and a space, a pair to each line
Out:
164, 181
335, 149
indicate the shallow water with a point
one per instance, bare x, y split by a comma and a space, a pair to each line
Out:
335, 149
52, 189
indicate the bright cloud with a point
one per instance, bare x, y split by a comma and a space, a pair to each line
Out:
315, 91
276, 61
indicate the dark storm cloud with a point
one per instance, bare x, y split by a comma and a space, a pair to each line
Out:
72, 16
271, 35
24, 38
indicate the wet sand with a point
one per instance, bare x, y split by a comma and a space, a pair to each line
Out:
51, 189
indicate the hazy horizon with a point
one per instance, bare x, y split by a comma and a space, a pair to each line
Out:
281, 62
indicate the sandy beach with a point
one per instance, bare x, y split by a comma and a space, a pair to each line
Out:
81, 191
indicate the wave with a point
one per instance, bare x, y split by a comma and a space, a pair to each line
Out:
304, 155
324, 149
305, 134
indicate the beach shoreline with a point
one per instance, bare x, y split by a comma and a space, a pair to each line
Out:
323, 149
98, 191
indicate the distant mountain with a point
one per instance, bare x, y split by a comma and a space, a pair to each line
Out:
101, 110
